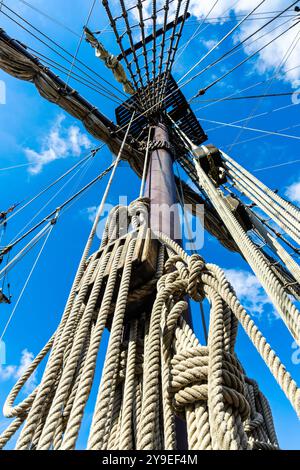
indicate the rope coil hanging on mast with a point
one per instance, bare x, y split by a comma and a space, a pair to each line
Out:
129, 391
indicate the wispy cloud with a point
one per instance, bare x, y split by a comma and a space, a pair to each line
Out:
251, 294
14, 372
91, 213
209, 44
60, 142
292, 192
283, 52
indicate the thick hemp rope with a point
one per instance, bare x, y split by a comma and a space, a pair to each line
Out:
287, 310
155, 367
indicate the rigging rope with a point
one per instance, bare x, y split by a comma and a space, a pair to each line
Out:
27, 281
286, 309
60, 178
253, 129
63, 50
285, 214
221, 41
62, 206
205, 385
282, 212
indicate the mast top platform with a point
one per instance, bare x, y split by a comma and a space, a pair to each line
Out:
174, 105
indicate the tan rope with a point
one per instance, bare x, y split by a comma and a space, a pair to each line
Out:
155, 367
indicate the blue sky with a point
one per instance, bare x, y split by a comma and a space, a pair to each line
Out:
38, 134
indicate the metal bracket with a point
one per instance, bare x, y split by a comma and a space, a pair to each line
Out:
210, 160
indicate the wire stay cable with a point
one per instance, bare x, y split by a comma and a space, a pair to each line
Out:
234, 50
26, 284
198, 30
221, 41
261, 136
54, 183
146, 164
227, 124
233, 69
263, 114
62, 206
250, 87
279, 165
62, 49
36, 214
49, 17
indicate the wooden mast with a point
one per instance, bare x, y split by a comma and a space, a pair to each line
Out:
161, 187
164, 215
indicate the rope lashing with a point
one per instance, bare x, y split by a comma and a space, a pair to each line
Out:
135, 408
157, 145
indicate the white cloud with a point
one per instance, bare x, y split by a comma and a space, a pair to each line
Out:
61, 142
271, 57
250, 292
201, 9
91, 213
292, 192
209, 44
282, 53
14, 372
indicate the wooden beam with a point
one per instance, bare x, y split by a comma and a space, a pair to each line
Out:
17, 61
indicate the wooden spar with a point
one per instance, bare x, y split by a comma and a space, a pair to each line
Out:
161, 188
